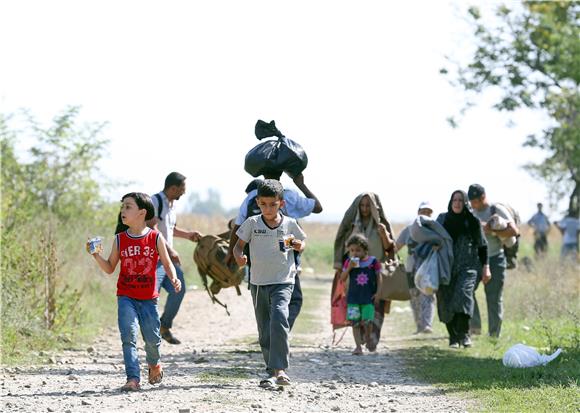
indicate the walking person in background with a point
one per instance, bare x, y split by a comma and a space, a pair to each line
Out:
363, 272
422, 305
366, 216
541, 226
482, 209
274, 240
165, 220
139, 249
295, 206
455, 301
570, 228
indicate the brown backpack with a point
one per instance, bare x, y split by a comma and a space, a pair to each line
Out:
209, 256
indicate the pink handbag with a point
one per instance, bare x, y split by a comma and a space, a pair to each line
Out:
338, 307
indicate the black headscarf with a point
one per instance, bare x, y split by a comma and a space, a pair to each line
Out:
465, 221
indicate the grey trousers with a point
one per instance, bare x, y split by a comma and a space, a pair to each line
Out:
423, 307
493, 296
271, 310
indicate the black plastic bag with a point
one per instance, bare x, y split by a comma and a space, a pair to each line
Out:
281, 155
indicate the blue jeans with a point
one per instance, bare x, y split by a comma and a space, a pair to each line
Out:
271, 310
493, 296
569, 253
173, 299
134, 314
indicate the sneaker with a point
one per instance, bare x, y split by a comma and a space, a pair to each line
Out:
131, 385
167, 336
466, 342
454, 345
427, 330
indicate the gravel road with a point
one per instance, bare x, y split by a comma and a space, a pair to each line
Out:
218, 367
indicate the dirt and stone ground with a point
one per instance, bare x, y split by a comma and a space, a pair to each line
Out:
218, 367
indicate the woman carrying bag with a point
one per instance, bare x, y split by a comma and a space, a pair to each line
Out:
366, 216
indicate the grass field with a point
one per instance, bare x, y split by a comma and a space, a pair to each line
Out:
541, 310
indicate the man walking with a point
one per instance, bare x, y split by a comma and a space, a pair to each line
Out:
165, 221
541, 225
497, 260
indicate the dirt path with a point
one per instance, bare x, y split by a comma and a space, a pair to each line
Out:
218, 366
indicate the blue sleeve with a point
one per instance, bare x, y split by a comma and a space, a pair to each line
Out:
241, 217
297, 206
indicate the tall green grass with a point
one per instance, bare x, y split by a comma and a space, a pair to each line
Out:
542, 309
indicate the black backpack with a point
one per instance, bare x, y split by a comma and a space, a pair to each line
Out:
160, 209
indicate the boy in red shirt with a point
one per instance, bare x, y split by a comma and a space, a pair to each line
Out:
138, 248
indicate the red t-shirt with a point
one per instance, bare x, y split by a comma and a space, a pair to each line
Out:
139, 258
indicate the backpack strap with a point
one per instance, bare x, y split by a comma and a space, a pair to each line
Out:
160, 208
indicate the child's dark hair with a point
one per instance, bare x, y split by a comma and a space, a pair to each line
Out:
271, 188
120, 226
143, 201
174, 179
360, 240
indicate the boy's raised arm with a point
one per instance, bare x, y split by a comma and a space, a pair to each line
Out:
108, 265
299, 181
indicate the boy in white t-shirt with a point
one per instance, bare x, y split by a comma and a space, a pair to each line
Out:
274, 239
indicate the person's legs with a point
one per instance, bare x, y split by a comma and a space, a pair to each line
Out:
279, 327
462, 329
374, 328
569, 253
367, 317
416, 306
453, 341
475, 322
173, 301
295, 301
494, 294
426, 312
353, 313
150, 324
128, 325
261, 300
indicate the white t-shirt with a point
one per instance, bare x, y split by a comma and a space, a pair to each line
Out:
571, 227
270, 265
166, 223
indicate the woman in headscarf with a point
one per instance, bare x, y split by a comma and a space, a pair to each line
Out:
366, 216
455, 300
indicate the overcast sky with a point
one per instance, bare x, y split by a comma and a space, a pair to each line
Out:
182, 84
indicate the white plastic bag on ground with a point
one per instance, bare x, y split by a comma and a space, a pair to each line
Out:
521, 355
427, 275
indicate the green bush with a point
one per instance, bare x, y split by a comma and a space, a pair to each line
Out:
50, 203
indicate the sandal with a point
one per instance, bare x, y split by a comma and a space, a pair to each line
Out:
155, 374
269, 383
283, 379
131, 385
